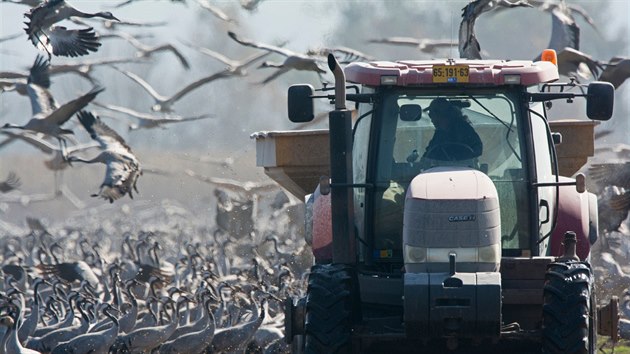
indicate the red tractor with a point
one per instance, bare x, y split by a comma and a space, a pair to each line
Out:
468, 243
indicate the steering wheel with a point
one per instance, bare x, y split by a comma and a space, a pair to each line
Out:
460, 147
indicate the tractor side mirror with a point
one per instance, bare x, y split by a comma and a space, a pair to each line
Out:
600, 98
300, 100
410, 112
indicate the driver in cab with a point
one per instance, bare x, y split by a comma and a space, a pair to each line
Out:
454, 138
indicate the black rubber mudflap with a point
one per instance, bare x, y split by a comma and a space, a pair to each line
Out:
567, 325
329, 310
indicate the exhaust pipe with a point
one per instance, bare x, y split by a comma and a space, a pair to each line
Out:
341, 198
340, 82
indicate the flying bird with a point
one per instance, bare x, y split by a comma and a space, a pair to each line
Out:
123, 168
293, 61
147, 121
164, 103
236, 66
49, 123
146, 51
577, 64
58, 40
469, 47
425, 45
36, 86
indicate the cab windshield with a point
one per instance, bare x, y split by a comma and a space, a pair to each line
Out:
415, 136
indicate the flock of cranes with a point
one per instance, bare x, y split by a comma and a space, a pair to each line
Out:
214, 290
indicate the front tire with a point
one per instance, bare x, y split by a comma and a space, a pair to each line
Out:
568, 324
329, 309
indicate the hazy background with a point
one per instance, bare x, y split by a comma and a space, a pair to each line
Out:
240, 105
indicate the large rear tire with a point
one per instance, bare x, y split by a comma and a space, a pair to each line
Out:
568, 324
329, 310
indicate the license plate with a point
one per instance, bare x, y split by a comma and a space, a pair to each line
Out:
450, 73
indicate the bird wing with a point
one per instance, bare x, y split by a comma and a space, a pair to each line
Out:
469, 47
194, 85
167, 120
144, 85
407, 41
616, 71
346, 55
39, 73
12, 182
69, 43
211, 53
249, 43
274, 75
175, 51
569, 57
33, 139
217, 12
617, 174
99, 131
42, 101
126, 110
67, 110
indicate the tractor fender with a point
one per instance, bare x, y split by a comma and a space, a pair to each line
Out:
574, 214
322, 228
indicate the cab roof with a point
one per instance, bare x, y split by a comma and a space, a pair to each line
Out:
480, 72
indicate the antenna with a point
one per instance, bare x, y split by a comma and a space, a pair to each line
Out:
452, 38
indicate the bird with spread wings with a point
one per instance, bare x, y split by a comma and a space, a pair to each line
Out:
123, 168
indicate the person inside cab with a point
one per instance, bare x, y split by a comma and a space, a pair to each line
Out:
454, 138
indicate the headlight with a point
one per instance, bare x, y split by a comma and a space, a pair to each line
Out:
490, 254
485, 254
415, 254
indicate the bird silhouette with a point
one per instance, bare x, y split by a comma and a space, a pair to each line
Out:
146, 51
12, 182
148, 121
577, 64
164, 103
236, 66
12, 343
469, 47
92, 342
617, 175
425, 45
49, 123
215, 11
616, 71
36, 86
293, 61
58, 40
123, 168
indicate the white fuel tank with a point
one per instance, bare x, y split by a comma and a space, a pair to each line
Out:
452, 210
